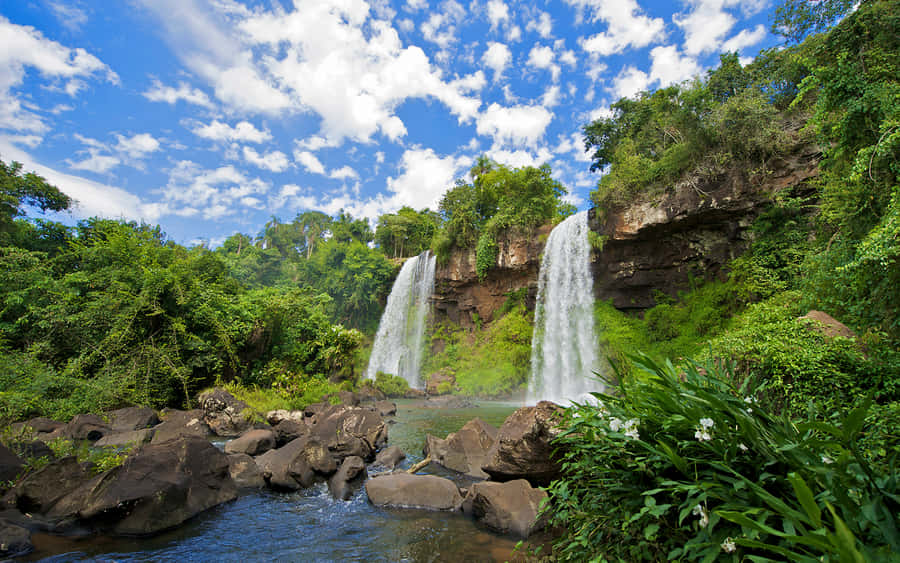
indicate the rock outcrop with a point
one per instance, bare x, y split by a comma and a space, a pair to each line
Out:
339, 483
465, 450
522, 449
508, 508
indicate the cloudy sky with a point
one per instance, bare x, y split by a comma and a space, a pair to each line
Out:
210, 116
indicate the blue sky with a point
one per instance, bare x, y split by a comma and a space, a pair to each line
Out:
210, 116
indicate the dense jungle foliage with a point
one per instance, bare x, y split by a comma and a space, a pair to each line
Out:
768, 439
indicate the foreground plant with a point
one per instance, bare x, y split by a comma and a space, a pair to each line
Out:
682, 464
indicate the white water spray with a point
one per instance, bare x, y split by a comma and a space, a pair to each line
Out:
400, 340
563, 347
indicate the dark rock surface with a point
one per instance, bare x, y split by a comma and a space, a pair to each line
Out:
465, 450
413, 491
522, 449
39, 491
14, 540
86, 427
508, 508
158, 487
178, 424
385, 408
132, 418
390, 457
118, 439
339, 484
288, 430
245, 472
252, 442
10, 464
347, 431
296, 465
224, 413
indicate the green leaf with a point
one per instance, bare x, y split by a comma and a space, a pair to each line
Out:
843, 539
806, 498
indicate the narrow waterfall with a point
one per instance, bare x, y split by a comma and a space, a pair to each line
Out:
400, 340
564, 347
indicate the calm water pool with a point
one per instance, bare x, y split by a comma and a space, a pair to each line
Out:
309, 525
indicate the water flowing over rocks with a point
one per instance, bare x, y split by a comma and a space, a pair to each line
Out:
522, 449
339, 484
508, 508
413, 491
465, 450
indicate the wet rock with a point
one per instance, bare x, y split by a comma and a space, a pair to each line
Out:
158, 487
275, 417
39, 491
413, 491
390, 457
508, 508
224, 413
132, 418
252, 442
132, 437
349, 431
296, 465
522, 449
385, 408
288, 430
179, 424
440, 383
14, 540
10, 464
339, 483
465, 450
245, 472
86, 427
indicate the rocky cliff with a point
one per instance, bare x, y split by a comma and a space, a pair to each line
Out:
691, 230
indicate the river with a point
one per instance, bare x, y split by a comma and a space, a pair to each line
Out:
309, 525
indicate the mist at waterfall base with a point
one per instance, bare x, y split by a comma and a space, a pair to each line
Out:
564, 346
400, 340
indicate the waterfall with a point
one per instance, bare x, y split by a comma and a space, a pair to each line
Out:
564, 348
400, 340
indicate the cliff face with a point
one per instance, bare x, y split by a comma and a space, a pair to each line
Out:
689, 231
459, 295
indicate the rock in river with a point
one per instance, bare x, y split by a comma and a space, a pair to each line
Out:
413, 491
508, 508
522, 449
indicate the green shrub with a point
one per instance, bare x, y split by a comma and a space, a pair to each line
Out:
681, 464
391, 385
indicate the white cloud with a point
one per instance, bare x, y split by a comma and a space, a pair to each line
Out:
440, 27
275, 161
310, 162
211, 193
424, 178
568, 57
96, 162
70, 16
343, 173
520, 125
315, 142
416, 5
161, 93
497, 12
542, 57
745, 38
705, 25
670, 67
519, 158
496, 57
137, 146
627, 26
629, 82
551, 96
514, 33
24, 47
543, 25
103, 157
573, 145
244, 131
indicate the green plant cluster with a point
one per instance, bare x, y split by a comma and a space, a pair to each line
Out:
680, 463
391, 385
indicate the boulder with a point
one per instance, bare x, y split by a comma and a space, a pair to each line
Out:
40, 424
224, 413
86, 427
368, 392
288, 430
440, 383
508, 508
158, 487
390, 457
252, 442
828, 325
39, 491
120, 439
275, 417
297, 464
132, 418
413, 491
339, 483
348, 398
385, 408
35, 449
465, 450
245, 472
448, 402
414, 394
522, 449
347, 431
179, 424
10, 464
14, 540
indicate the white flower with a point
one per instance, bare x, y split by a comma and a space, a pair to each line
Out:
728, 545
633, 433
742, 447
615, 424
827, 460
632, 422
702, 435
701, 512
707, 422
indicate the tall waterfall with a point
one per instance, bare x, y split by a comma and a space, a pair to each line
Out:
400, 340
564, 348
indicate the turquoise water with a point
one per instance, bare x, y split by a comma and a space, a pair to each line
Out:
309, 525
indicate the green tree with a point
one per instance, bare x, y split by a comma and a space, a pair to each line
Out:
20, 190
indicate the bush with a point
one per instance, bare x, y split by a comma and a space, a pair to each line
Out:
391, 385
682, 464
